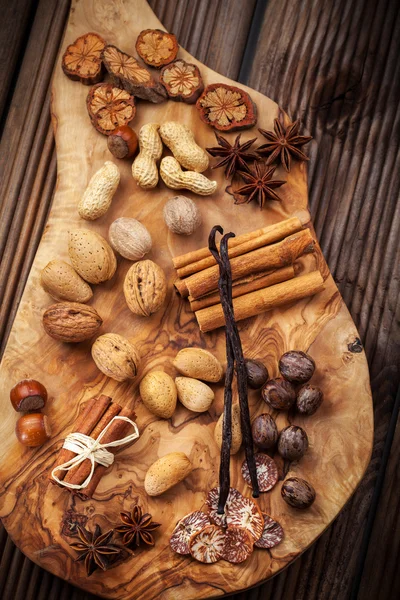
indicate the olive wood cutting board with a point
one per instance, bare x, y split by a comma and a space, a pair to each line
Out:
340, 433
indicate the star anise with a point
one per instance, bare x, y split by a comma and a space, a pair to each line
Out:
259, 185
95, 548
233, 157
283, 143
70, 523
137, 527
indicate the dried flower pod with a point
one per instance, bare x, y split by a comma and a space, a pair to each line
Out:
122, 142
182, 81
267, 472
116, 357
28, 394
185, 529
81, 60
238, 545
129, 238
156, 48
71, 322
279, 393
226, 108
181, 215
212, 503
135, 79
296, 366
245, 513
298, 492
272, 534
207, 545
309, 399
32, 430
257, 373
265, 431
145, 288
109, 107
293, 442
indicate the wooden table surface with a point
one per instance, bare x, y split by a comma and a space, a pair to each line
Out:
334, 64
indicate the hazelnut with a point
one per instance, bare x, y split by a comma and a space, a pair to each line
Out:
298, 492
309, 399
297, 367
257, 373
32, 430
122, 142
265, 431
293, 442
279, 393
27, 395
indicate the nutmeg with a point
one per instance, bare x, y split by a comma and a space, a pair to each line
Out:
181, 215
265, 431
298, 492
309, 399
297, 367
130, 238
279, 393
32, 430
257, 373
293, 442
28, 394
122, 142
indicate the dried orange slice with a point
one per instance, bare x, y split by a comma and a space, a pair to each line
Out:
128, 73
81, 60
109, 107
245, 513
238, 545
212, 503
226, 107
207, 545
182, 81
185, 528
157, 48
272, 534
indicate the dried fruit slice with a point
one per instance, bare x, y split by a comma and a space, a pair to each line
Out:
272, 534
109, 107
245, 513
207, 545
226, 107
157, 48
267, 472
212, 503
81, 60
135, 79
185, 528
238, 545
182, 81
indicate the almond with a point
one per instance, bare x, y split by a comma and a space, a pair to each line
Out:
62, 282
116, 357
167, 472
158, 392
145, 288
71, 321
199, 364
194, 394
236, 430
91, 256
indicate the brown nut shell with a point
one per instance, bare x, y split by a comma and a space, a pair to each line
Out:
298, 492
296, 366
28, 394
116, 356
122, 142
279, 393
257, 373
265, 431
145, 288
32, 430
293, 442
309, 399
71, 322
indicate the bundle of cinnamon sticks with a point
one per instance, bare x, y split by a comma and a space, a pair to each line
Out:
264, 273
97, 414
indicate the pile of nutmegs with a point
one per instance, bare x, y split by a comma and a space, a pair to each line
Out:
290, 391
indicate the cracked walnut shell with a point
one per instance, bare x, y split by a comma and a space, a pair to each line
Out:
116, 357
145, 288
109, 107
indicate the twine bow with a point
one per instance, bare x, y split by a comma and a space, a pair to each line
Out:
86, 447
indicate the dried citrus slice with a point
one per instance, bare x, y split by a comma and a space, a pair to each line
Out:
272, 534
109, 107
185, 528
135, 79
157, 48
207, 545
238, 545
267, 472
212, 503
182, 81
245, 513
226, 107
82, 60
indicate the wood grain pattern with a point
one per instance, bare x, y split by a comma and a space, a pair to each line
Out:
279, 339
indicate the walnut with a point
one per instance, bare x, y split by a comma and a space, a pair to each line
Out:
145, 288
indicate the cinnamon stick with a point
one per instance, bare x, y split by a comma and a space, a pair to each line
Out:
245, 285
260, 301
117, 431
272, 233
78, 474
269, 257
85, 423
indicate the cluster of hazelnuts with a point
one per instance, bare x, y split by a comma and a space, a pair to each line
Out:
30, 396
